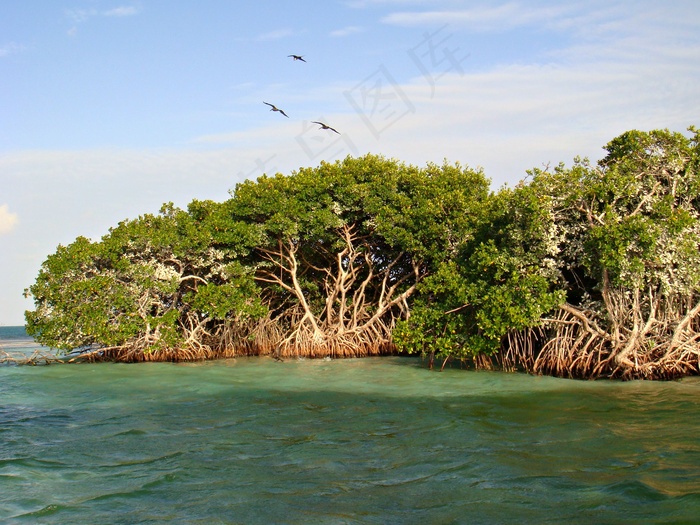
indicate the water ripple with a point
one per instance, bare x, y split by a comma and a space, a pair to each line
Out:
360, 441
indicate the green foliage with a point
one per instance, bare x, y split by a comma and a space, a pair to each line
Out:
79, 301
397, 215
418, 210
503, 279
632, 221
424, 257
148, 281
346, 242
223, 302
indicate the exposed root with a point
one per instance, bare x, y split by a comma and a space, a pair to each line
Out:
38, 357
662, 344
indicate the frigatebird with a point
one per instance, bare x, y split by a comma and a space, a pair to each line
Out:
297, 57
275, 108
324, 126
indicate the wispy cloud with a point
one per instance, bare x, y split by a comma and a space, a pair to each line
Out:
10, 49
250, 137
486, 18
126, 10
79, 16
345, 31
360, 4
275, 35
8, 220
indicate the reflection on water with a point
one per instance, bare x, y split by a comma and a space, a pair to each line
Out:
378, 440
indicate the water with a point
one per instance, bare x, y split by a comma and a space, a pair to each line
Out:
15, 338
363, 441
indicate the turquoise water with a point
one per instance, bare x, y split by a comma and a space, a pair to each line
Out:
380, 440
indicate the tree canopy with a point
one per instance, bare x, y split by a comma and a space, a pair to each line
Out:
591, 270
321, 262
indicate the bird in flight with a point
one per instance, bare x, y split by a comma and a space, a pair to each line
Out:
297, 57
325, 126
275, 108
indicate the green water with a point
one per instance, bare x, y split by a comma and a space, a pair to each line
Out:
379, 440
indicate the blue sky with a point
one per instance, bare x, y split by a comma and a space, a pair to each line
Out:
111, 108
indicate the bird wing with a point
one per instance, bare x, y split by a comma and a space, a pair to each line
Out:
325, 126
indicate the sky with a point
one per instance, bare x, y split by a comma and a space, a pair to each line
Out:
110, 108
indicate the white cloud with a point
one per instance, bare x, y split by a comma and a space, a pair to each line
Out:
129, 10
483, 18
591, 21
515, 117
8, 220
350, 30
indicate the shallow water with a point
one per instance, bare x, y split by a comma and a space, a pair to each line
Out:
380, 440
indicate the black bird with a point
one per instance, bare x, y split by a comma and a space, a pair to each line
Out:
297, 57
324, 126
275, 108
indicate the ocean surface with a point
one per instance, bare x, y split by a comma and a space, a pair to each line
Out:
358, 441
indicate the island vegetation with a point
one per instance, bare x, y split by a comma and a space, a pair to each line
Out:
585, 271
